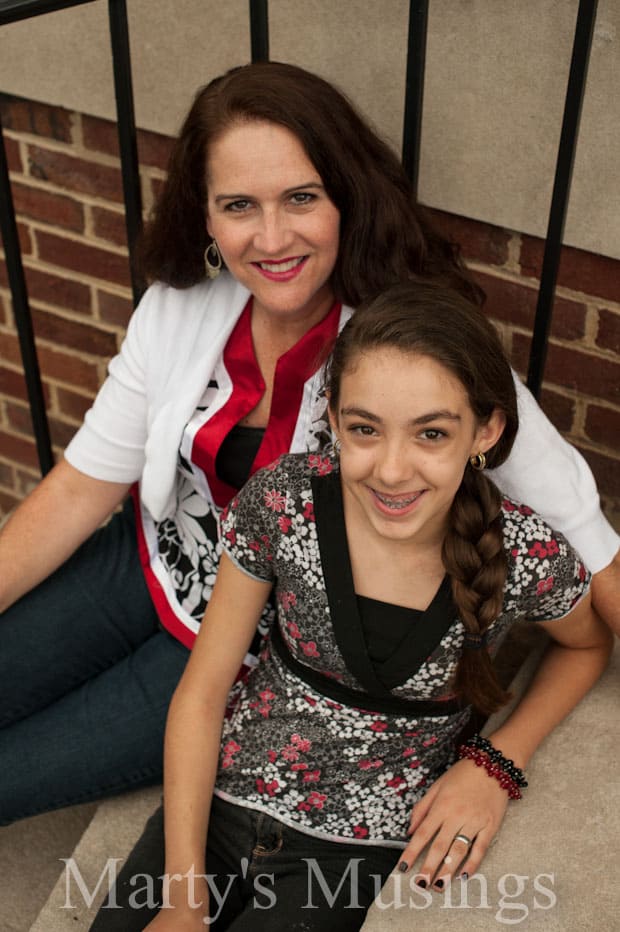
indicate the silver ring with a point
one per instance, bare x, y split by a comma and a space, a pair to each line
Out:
467, 841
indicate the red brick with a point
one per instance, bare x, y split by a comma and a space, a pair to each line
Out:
81, 257
583, 372
603, 426
515, 303
13, 156
54, 289
12, 383
18, 449
4, 312
25, 239
73, 334
480, 242
114, 309
18, 418
608, 336
559, 409
606, 471
28, 116
61, 432
7, 503
65, 367
110, 225
75, 174
9, 349
72, 404
57, 209
579, 270
102, 136
7, 476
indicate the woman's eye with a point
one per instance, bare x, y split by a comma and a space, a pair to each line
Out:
301, 198
432, 433
236, 207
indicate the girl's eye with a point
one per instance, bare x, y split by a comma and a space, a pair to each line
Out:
432, 433
364, 430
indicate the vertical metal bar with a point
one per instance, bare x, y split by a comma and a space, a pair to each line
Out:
586, 16
259, 30
119, 35
414, 89
23, 320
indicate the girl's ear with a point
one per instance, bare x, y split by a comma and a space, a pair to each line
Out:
208, 221
489, 433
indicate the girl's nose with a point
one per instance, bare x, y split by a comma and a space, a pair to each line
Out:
394, 466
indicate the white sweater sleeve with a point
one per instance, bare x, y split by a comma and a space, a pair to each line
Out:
548, 474
110, 443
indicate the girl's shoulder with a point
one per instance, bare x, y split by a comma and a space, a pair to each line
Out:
546, 577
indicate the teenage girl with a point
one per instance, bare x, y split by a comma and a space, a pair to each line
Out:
398, 571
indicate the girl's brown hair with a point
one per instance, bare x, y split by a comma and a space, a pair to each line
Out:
384, 236
430, 320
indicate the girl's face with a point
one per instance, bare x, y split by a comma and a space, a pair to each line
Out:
276, 228
407, 432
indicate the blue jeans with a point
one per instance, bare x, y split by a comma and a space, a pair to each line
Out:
270, 878
86, 677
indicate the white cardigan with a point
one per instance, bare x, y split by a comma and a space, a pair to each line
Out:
175, 338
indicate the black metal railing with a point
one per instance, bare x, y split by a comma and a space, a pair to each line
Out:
13, 10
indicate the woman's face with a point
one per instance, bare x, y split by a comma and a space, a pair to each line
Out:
407, 431
276, 228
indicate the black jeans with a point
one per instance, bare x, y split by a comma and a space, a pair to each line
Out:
268, 877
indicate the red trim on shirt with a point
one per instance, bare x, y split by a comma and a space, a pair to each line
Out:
293, 369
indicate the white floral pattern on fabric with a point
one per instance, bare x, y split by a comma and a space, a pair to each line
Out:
324, 766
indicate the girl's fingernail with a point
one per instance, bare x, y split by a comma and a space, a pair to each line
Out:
421, 882
439, 884
403, 866
464, 876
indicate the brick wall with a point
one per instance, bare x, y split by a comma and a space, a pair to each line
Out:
68, 196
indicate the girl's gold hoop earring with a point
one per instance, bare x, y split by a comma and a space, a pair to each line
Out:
478, 461
213, 260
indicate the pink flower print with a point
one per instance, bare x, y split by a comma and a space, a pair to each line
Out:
378, 726
269, 788
272, 756
293, 629
552, 547
539, 550
429, 741
300, 766
360, 831
582, 572
317, 800
310, 700
302, 744
525, 510
267, 695
545, 585
515, 551
305, 807
369, 764
312, 776
508, 506
286, 599
396, 782
409, 752
290, 754
254, 545
309, 511
231, 747
284, 523
231, 536
275, 501
309, 648
320, 463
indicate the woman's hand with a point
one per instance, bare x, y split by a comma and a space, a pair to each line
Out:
466, 802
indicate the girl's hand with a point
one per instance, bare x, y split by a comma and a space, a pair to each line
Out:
463, 801
189, 907
172, 920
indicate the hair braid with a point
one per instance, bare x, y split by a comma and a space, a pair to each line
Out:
474, 556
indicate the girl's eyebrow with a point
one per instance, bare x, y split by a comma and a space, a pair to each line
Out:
247, 197
422, 419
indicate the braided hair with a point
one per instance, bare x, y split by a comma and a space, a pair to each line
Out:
427, 319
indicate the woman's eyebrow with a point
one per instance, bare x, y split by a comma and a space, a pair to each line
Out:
422, 419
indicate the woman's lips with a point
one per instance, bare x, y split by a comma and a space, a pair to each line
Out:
284, 270
397, 504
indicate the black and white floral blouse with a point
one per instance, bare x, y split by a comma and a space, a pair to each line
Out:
324, 736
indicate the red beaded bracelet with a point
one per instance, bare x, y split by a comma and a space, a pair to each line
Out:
480, 759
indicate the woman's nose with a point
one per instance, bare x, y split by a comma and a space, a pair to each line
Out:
395, 466
273, 234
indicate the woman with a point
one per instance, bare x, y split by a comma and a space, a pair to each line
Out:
275, 177
398, 571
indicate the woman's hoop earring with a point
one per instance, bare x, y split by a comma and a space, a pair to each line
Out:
213, 260
337, 446
478, 461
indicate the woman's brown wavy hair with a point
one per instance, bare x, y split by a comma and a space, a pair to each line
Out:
384, 235
431, 320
